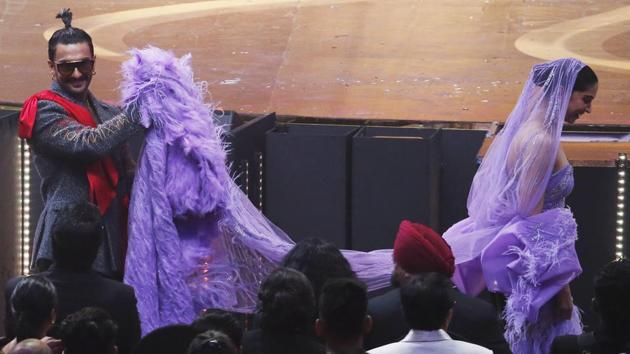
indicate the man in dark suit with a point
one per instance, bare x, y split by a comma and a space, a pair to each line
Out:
76, 237
418, 249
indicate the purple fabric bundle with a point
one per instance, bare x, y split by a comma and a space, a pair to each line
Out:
195, 240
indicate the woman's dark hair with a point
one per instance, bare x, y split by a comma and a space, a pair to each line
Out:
320, 261
32, 302
286, 303
67, 35
89, 330
585, 79
211, 342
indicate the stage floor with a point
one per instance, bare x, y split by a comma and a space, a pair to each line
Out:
445, 60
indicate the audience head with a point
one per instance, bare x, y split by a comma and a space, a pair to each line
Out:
319, 261
418, 249
343, 311
286, 302
212, 342
222, 321
173, 339
427, 301
89, 331
31, 346
611, 302
33, 303
77, 235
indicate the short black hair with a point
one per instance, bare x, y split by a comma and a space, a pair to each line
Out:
76, 236
320, 261
343, 307
211, 342
32, 301
586, 79
67, 35
286, 302
612, 299
426, 300
222, 321
90, 330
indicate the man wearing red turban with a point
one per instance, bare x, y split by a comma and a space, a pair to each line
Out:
418, 249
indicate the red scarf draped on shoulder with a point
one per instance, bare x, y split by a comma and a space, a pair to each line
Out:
102, 175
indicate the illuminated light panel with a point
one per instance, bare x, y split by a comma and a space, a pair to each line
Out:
621, 189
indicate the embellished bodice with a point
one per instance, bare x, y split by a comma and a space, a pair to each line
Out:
559, 187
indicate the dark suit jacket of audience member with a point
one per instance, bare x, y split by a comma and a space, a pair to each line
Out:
76, 290
258, 342
474, 320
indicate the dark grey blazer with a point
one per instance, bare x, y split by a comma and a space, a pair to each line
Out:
62, 149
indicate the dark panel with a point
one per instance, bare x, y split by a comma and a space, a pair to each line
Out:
8, 202
246, 153
593, 202
307, 183
459, 150
395, 176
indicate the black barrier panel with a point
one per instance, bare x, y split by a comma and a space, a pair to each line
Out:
395, 176
246, 154
9, 145
459, 149
307, 183
593, 202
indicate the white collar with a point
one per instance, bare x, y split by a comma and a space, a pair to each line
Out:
426, 336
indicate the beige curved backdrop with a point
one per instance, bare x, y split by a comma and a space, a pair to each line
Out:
455, 60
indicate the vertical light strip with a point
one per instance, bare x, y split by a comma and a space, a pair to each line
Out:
621, 191
19, 213
261, 166
246, 168
23, 160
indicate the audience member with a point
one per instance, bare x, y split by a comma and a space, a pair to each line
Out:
287, 309
173, 339
343, 319
31, 306
222, 321
89, 331
31, 346
212, 342
427, 302
75, 242
612, 304
320, 261
417, 250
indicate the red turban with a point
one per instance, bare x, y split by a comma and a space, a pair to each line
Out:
419, 249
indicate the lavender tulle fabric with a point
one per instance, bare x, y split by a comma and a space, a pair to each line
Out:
195, 240
506, 244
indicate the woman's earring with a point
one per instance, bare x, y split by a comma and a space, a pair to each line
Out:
94, 73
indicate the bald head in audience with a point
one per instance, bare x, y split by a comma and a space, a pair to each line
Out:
31, 346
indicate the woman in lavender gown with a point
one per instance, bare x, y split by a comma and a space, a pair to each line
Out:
519, 238
195, 240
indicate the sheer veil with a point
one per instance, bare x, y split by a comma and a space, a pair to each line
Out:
513, 176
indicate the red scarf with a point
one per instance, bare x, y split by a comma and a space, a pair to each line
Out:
102, 175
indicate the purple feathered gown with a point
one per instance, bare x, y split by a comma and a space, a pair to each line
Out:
195, 240
505, 245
